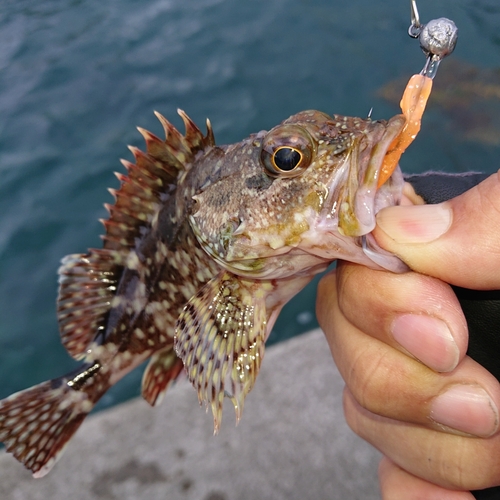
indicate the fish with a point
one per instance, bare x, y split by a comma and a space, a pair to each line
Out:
202, 248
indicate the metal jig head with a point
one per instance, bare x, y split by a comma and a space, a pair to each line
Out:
438, 39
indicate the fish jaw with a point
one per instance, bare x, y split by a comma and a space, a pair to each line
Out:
359, 203
342, 229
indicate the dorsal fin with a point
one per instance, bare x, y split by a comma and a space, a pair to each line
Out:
87, 282
150, 177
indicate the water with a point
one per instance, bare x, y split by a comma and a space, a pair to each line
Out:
77, 76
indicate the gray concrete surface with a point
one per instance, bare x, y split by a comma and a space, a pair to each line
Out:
291, 444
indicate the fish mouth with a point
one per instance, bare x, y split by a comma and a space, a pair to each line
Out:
353, 196
342, 228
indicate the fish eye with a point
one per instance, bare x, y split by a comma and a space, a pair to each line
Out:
286, 151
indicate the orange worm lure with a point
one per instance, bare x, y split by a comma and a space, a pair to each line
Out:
412, 104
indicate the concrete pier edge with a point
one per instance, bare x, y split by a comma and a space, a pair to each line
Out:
292, 443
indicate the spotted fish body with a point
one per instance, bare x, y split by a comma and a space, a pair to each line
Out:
203, 247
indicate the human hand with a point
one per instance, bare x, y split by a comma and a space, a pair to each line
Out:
400, 342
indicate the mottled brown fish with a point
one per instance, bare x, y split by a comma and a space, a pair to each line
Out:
203, 247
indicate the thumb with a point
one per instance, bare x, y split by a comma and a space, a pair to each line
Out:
457, 241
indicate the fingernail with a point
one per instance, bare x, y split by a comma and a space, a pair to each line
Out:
415, 223
428, 339
466, 408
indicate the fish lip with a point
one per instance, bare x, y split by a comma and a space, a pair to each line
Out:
393, 129
368, 198
354, 198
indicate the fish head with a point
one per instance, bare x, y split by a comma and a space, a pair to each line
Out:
299, 196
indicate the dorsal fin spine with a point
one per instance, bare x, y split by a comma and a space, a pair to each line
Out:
173, 138
150, 138
193, 133
209, 139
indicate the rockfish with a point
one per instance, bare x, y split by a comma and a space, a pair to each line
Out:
202, 248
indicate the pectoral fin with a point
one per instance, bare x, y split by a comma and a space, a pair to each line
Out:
220, 338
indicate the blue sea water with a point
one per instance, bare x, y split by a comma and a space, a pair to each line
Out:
77, 76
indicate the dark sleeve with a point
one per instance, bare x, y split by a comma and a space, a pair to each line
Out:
481, 308
435, 187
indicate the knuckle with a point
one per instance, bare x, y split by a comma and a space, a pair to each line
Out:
469, 464
326, 296
367, 379
487, 202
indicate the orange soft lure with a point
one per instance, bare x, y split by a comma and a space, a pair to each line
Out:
412, 104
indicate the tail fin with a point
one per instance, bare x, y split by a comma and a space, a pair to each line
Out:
37, 423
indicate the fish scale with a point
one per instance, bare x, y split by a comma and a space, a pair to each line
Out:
202, 248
